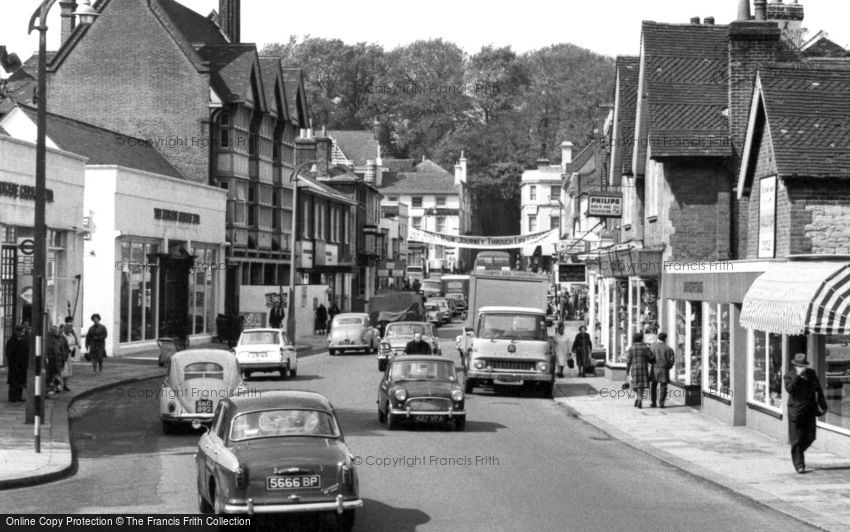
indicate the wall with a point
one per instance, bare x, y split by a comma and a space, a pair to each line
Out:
124, 45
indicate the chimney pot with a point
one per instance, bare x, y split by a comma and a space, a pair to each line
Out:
694, 20
709, 21
230, 13
68, 21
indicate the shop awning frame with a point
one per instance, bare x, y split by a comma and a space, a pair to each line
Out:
800, 297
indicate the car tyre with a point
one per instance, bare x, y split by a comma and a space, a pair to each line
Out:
293, 373
460, 424
346, 520
332, 352
218, 502
468, 385
168, 427
392, 419
546, 390
382, 365
203, 506
382, 417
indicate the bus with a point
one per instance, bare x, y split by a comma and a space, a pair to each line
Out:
492, 260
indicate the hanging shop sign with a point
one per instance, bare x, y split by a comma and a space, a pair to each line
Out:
605, 205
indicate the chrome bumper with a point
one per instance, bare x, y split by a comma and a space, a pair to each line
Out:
492, 375
443, 413
186, 417
337, 506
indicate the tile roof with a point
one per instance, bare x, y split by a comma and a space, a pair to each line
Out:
808, 112
231, 68
686, 91
399, 165
357, 146
824, 47
426, 177
101, 146
293, 80
325, 191
270, 67
195, 27
628, 71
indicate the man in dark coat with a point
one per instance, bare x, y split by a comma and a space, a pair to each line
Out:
582, 347
637, 366
17, 358
55, 355
660, 373
96, 343
276, 315
805, 402
321, 319
417, 346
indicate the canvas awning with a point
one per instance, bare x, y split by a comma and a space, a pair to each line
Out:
800, 297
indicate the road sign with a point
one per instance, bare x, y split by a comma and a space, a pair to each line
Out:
27, 246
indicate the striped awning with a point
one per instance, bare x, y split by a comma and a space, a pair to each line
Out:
800, 297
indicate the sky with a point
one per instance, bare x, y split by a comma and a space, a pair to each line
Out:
608, 27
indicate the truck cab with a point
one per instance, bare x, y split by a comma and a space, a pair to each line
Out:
508, 346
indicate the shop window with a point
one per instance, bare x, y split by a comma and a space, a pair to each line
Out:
138, 292
834, 376
618, 297
766, 363
202, 290
717, 342
686, 331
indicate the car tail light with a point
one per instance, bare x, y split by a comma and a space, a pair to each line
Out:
172, 406
346, 474
241, 478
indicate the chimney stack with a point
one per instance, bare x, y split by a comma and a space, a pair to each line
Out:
789, 16
230, 11
371, 172
566, 154
744, 10
694, 20
761, 9
709, 21
67, 8
542, 163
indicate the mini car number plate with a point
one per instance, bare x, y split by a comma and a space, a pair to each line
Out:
294, 482
509, 379
203, 406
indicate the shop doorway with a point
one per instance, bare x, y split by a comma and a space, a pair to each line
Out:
173, 308
8, 296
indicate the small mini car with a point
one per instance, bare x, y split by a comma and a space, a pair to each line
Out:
197, 380
280, 452
420, 387
266, 350
398, 334
352, 331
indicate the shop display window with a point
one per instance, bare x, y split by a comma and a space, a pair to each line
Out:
834, 376
766, 363
138, 292
717, 341
687, 341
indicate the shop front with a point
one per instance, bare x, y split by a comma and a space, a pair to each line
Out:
799, 306
612, 288
64, 220
161, 241
702, 306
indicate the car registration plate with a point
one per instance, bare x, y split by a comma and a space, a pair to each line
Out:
258, 355
509, 379
203, 406
293, 482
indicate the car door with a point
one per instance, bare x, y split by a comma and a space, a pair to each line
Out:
383, 388
212, 445
206, 451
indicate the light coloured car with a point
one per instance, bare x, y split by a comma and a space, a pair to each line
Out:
443, 307
264, 350
352, 331
197, 380
432, 313
398, 334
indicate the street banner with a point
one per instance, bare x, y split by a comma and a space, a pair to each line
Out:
483, 242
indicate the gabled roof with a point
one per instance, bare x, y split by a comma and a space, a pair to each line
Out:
356, 147
293, 78
274, 87
426, 177
807, 109
102, 146
628, 70
234, 67
685, 86
324, 190
194, 27
399, 165
824, 47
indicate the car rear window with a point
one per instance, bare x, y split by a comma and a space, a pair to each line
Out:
260, 337
348, 321
423, 371
405, 330
283, 422
203, 370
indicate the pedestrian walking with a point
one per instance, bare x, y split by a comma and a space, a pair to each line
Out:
55, 354
582, 347
660, 371
73, 345
805, 403
331, 313
638, 361
96, 343
321, 321
562, 346
17, 358
276, 315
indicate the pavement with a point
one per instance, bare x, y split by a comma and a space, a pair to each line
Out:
737, 459
21, 466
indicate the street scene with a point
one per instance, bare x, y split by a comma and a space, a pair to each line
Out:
547, 270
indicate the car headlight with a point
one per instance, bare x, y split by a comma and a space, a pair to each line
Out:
543, 366
400, 394
479, 364
457, 396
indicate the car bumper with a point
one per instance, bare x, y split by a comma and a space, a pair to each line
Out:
490, 376
337, 506
186, 417
406, 412
263, 365
349, 346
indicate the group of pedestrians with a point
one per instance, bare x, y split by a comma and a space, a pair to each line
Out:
648, 366
61, 348
579, 347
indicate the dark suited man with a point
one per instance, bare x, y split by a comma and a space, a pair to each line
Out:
17, 356
417, 346
276, 316
805, 402
660, 374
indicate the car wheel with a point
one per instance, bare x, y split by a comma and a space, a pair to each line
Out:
203, 506
168, 427
382, 365
460, 424
218, 501
392, 419
293, 372
346, 520
546, 390
382, 417
332, 352
468, 385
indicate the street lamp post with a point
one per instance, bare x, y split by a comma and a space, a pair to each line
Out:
290, 316
35, 404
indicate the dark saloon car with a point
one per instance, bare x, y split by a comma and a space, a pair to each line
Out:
421, 388
281, 452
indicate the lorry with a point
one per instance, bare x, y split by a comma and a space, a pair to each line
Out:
505, 340
454, 286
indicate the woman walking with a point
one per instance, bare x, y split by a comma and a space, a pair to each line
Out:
96, 343
582, 347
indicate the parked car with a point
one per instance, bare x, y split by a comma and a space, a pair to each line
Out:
420, 388
443, 307
197, 379
279, 452
266, 350
398, 334
352, 331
